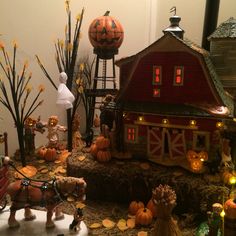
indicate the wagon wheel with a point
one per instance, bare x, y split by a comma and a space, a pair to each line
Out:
3, 203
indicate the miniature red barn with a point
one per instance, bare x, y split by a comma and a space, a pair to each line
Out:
171, 101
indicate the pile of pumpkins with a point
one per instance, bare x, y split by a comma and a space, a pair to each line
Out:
143, 215
100, 149
48, 154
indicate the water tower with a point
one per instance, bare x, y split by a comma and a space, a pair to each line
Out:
106, 35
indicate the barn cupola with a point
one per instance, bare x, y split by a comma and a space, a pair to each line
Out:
174, 25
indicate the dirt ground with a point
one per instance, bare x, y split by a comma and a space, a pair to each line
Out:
97, 211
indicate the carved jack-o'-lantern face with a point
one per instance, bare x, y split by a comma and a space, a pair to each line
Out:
106, 33
196, 160
29, 122
52, 121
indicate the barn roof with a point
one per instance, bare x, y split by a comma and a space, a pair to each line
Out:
197, 50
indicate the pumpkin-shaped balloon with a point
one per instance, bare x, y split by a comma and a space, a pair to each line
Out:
51, 154
143, 217
103, 156
134, 206
106, 34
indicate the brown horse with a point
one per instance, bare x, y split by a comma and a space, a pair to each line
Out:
27, 193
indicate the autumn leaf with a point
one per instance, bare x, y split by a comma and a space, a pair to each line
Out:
131, 223
108, 223
122, 225
95, 226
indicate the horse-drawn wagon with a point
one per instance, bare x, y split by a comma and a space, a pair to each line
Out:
4, 182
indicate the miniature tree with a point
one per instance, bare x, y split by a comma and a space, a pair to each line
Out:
66, 57
15, 96
83, 84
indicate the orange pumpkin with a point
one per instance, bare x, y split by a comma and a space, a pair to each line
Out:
152, 207
106, 33
42, 151
51, 154
103, 156
196, 165
134, 206
143, 217
226, 176
191, 155
94, 150
102, 142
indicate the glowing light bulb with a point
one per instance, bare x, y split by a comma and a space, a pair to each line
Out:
232, 180
222, 214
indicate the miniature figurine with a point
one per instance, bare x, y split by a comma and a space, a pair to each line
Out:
214, 219
48, 194
226, 159
78, 217
77, 138
30, 126
53, 128
65, 98
107, 116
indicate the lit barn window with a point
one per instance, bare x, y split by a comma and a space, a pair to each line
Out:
179, 76
156, 92
156, 75
130, 134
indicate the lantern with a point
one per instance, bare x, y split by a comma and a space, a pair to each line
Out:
192, 122
196, 165
219, 125
165, 121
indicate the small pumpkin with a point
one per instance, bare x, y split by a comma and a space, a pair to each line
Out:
102, 142
134, 206
152, 207
94, 150
42, 151
230, 209
196, 165
143, 217
226, 176
103, 156
51, 154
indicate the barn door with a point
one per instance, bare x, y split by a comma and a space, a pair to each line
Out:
177, 145
155, 142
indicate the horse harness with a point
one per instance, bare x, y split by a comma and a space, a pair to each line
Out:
46, 185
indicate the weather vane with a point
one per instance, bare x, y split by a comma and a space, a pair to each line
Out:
173, 9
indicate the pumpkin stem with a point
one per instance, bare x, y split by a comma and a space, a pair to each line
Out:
107, 13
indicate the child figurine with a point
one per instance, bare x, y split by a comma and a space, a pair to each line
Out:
53, 128
214, 219
78, 217
77, 137
30, 126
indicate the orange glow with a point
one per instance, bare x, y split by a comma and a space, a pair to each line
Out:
156, 92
